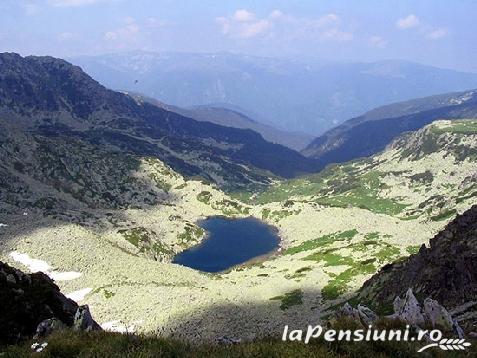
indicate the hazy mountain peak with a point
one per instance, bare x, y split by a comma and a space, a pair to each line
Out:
296, 95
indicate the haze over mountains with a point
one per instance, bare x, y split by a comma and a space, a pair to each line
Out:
233, 118
294, 95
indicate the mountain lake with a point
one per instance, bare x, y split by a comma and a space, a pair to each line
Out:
229, 242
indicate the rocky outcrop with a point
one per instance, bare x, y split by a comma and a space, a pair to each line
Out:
32, 304
83, 320
48, 326
446, 271
408, 310
361, 314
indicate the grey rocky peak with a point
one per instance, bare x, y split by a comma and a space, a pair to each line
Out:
361, 314
83, 321
408, 308
437, 314
366, 314
348, 311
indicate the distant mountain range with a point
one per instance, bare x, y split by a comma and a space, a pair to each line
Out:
370, 133
297, 95
234, 118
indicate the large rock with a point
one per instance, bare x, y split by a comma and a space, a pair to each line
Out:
366, 315
48, 326
408, 309
32, 304
348, 311
437, 314
361, 314
83, 320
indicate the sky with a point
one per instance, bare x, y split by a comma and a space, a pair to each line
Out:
442, 33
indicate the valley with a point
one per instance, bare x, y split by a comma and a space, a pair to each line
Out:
337, 228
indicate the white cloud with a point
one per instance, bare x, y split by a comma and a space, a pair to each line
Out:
242, 24
224, 23
325, 28
73, 3
378, 41
408, 22
68, 3
111, 36
65, 36
255, 28
328, 20
276, 14
129, 20
126, 33
245, 24
438, 33
155, 22
243, 15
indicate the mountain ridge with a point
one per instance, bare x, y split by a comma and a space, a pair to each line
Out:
53, 89
234, 118
299, 95
368, 134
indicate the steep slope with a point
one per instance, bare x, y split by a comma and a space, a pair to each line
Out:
370, 133
46, 97
297, 95
233, 118
445, 271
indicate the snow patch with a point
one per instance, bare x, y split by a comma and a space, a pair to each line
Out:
79, 295
464, 98
64, 276
117, 326
35, 265
3, 225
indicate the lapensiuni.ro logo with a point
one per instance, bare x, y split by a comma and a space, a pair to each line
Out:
432, 338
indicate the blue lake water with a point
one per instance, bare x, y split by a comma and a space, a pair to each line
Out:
229, 242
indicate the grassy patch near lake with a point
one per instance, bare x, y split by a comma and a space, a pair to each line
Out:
322, 241
289, 299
